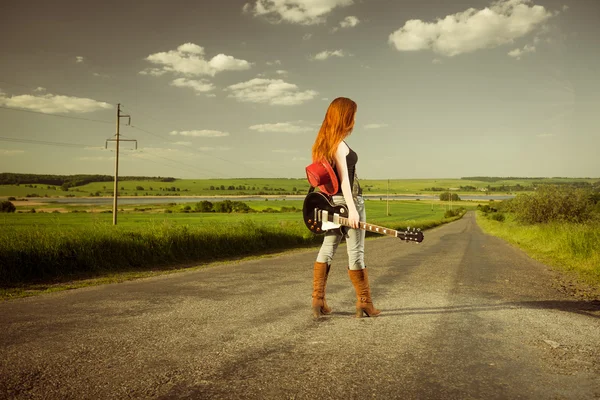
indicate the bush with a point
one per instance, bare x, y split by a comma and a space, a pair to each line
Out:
446, 196
11, 198
497, 217
7, 207
553, 203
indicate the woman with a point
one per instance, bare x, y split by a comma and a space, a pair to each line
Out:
337, 125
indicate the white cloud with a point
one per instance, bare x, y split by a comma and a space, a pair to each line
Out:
200, 133
154, 153
517, 53
211, 95
299, 159
199, 86
40, 89
153, 72
79, 59
565, 7
305, 12
96, 74
5, 152
375, 126
281, 72
307, 36
349, 22
464, 32
271, 91
183, 143
284, 127
188, 59
436, 61
545, 135
51, 104
276, 62
218, 148
284, 151
324, 55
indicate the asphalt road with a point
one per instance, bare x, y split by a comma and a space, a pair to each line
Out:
464, 316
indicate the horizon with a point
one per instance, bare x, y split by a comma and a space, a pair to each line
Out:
241, 87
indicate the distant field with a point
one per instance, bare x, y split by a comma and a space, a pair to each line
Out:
401, 212
253, 186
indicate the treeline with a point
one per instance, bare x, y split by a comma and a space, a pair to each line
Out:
517, 178
9, 178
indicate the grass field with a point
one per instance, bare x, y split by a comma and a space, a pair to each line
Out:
202, 187
571, 247
43, 251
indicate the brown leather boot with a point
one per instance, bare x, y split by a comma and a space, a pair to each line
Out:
364, 304
319, 304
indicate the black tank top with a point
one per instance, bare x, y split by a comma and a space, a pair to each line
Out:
351, 161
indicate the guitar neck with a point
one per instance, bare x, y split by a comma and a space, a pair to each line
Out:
370, 227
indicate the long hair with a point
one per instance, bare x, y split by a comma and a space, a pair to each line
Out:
337, 125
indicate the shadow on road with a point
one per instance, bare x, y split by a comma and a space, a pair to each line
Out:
588, 308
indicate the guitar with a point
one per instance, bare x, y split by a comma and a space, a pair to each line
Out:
320, 216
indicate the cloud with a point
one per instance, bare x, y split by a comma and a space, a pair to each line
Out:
324, 55
464, 32
200, 133
153, 72
40, 89
349, 22
183, 143
307, 36
52, 104
276, 62
304, 12
218, 148
545, 135
436, 61
198, 86
284, 127
96, 74
5, 152
188, 59
375, 126
281, 72
284, 151
79, 59
271, 91
517, 53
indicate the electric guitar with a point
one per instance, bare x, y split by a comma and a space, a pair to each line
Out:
320, 216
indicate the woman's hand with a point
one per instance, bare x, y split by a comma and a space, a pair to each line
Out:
353, 218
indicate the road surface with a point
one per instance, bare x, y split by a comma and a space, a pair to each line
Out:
464, 316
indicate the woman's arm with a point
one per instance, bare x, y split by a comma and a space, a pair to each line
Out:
342, 168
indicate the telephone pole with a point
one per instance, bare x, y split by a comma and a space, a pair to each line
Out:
118, 139
388, 198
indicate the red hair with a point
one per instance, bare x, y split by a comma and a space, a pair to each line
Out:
337, 125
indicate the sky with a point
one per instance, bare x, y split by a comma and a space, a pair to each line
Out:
239, 89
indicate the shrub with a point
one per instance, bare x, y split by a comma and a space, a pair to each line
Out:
497, 217
11, 198
553, 203
7, 207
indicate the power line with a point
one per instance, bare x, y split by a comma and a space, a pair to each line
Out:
56, 115
44, 142
203, 153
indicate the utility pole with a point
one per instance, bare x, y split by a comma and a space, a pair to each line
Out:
118, 139
388, 198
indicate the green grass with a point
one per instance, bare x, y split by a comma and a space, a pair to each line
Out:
570, 247
37, 250
274, 186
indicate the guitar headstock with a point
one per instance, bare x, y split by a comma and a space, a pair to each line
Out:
411, 235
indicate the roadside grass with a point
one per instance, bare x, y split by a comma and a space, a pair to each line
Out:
49, 252
571, 247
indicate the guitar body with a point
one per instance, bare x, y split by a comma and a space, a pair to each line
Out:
321, 215
318, 201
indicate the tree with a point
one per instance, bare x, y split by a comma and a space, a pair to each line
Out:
446, 196
139, 188
7, 207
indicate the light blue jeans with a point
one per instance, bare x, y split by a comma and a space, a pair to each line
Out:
355, 239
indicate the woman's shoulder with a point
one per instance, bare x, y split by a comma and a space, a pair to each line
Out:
343, 148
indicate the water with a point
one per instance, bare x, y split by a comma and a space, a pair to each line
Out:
163, 200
